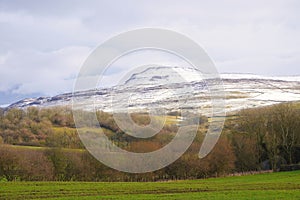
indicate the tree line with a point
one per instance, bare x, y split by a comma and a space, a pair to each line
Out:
42, 144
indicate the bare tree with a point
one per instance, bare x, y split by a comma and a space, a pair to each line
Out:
286, 124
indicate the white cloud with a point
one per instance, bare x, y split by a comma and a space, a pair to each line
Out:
49, 73
43, 43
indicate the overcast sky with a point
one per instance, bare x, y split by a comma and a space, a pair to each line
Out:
44, 43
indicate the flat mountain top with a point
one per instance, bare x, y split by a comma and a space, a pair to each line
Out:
167, 87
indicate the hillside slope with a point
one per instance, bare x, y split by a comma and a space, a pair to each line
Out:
174, 88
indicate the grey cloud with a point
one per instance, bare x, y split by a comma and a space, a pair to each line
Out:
26, 72
49, 40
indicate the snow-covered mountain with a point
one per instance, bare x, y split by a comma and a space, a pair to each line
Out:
175, 88
163, 75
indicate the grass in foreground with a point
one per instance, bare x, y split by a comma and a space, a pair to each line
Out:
283, 185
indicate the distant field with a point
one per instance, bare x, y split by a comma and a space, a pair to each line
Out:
283, 185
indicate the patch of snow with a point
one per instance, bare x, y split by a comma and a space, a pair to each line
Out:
4, 105
253, 76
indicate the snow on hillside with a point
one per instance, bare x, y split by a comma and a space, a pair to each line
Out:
165, 87
164, 75
254, 76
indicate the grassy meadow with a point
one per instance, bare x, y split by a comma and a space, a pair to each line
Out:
281, 185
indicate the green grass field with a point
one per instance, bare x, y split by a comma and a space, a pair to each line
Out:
283, 185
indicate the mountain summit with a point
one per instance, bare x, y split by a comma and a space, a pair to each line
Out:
167, 86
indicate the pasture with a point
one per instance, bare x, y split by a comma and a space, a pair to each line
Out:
281, 185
